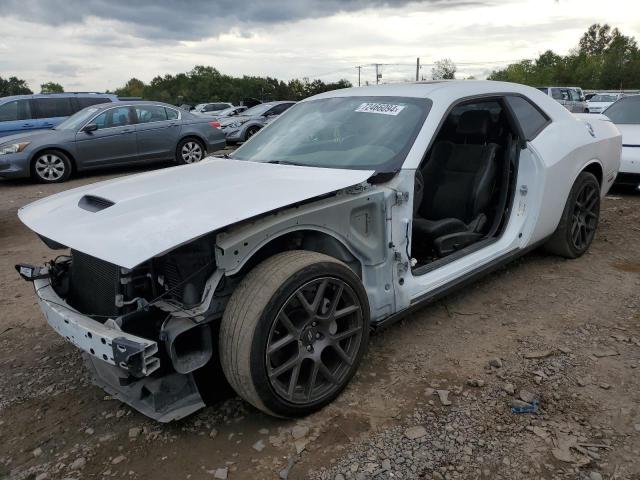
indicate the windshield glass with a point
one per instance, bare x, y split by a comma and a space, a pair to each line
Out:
366, 133
258, 109
227, 111
603, 98
77, 120
625, 111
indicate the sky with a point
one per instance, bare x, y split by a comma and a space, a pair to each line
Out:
94, 45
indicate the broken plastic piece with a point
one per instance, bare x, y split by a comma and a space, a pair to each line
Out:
533, 408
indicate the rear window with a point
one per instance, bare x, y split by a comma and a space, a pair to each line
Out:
529, 117
625, 111
53, 107
15, 110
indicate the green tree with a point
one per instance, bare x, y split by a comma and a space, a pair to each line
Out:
51, 87
13, 86
133, 88
444, 69
604, 59
205, 83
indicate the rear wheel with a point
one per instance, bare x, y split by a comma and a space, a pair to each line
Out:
51, 166
579, 219
294, 332
190, 150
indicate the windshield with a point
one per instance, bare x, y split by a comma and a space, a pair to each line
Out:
77, 120
366, 133
603, 98
227, 111
625, 111
258, 109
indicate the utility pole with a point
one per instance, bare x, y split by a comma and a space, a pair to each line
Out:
377, 74
359, 67
417, 69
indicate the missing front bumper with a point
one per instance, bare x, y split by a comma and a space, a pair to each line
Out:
133, 354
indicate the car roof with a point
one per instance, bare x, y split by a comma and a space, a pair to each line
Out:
442, 88
55, 95
130, 103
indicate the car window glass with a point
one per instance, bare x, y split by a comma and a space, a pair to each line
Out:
171, 113
53, 107
85, 102
115, 117
369, 133
544, 90
529, 117
15, 110
625, 111
278, 109
558, 94
151, 113
575, 96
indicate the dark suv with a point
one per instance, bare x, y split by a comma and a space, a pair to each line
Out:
22, 113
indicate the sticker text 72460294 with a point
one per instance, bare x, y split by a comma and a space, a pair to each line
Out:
383, 108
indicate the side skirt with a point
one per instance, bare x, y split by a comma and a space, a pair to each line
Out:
454, 285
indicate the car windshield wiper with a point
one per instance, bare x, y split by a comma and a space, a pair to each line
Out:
284, 162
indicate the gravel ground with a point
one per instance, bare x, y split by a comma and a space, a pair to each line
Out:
433, 398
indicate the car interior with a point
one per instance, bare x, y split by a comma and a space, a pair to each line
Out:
464, 186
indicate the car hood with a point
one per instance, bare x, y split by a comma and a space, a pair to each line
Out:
155, 212
34, 136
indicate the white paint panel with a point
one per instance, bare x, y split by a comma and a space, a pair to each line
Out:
155, 212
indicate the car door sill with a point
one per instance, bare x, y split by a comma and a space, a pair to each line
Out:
441, 262
455, 284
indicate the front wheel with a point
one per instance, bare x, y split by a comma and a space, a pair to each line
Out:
190, 150
51, 166
579, 219
293, 333
251, 131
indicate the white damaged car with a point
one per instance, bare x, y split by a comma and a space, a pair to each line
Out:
272, 267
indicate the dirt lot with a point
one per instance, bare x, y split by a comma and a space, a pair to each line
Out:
563, 333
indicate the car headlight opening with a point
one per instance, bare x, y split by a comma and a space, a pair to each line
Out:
13, 148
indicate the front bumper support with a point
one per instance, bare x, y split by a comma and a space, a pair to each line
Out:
134, 354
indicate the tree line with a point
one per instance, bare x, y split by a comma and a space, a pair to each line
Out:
604, 59
201, 84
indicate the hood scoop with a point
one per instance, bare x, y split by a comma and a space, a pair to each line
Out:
91, 203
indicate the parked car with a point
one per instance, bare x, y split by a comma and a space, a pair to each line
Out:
242, 127
625, 113
110, 134
600, 101
351, 210
229, 112
24, 113
186, 107
571, 98
211, 108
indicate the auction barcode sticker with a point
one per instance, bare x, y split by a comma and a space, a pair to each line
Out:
383, 108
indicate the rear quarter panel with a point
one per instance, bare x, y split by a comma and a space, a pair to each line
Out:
565, 148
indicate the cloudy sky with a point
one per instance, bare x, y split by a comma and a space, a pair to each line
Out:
100, 44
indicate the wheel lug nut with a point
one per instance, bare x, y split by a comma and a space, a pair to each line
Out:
309, 348
314, 324
318, 335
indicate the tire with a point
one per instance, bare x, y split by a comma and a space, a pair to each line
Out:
51, 166
251, 131
268, 335
190, 150
579, 220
